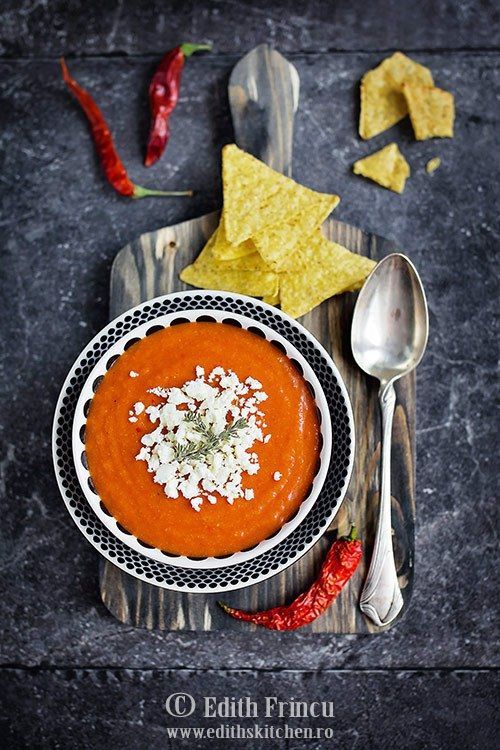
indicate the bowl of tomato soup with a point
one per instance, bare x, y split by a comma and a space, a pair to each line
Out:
202, 439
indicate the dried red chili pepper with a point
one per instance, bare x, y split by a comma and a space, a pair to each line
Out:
340, 563
164, 95
114, 169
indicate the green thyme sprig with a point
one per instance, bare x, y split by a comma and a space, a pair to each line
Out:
212, 441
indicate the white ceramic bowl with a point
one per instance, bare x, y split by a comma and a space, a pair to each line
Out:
99, 371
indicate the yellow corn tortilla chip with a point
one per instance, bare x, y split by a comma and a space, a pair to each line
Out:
432, 111
225, 250
432, 165
247, 275
326, 268
382, 100
251, 262
272, 299
388, 167
278, 244
254, 283
400, 173
256, 197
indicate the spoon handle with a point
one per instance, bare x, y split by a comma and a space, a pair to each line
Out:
381, 598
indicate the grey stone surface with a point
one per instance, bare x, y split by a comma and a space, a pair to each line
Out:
371, 710
135, 28
60, 228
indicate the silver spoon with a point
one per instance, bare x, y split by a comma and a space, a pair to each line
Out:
388, 338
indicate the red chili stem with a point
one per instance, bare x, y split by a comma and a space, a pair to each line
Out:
187, 48
353, 534
340, 564
163, 97
113, 167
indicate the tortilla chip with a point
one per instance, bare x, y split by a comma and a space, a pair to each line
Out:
382, 100
432, 165
225, 250
432, 111
256, 197
278, 244
253, 283
273, 299
388, 167
325, 269
400, 174
247, 275
207, 257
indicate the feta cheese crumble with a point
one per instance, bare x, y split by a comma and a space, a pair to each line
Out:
277, 476
201, 446
196, 503
133, 374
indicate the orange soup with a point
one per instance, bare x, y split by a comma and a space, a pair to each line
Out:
202, 439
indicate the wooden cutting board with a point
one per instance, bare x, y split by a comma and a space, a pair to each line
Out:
263, 91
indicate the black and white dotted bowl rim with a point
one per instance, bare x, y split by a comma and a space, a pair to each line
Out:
109, 358
213, 579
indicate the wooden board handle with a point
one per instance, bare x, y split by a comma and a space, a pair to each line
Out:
264, 96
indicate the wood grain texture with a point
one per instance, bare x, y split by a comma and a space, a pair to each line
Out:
149, 267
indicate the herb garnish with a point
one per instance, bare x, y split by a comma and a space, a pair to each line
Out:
196, 451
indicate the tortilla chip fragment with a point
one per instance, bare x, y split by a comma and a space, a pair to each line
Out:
432, 111
225, 250
256, 197
432, 165
207, 257
246, 275
272, 299
278, 244
325, 269
253, 283
383, 103
388, 167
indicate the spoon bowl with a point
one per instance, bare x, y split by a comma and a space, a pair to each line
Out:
390, 322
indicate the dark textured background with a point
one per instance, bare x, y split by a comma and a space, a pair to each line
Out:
72, 676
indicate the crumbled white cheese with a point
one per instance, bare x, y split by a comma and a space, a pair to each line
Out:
176, 396
179, 453
277, 476
253, 384
196, 503
133, 374
217, 372
138, 408
153, 413
267, 438
170, 488
152, 437
143, 455
132, 419
229, 381
162, 392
